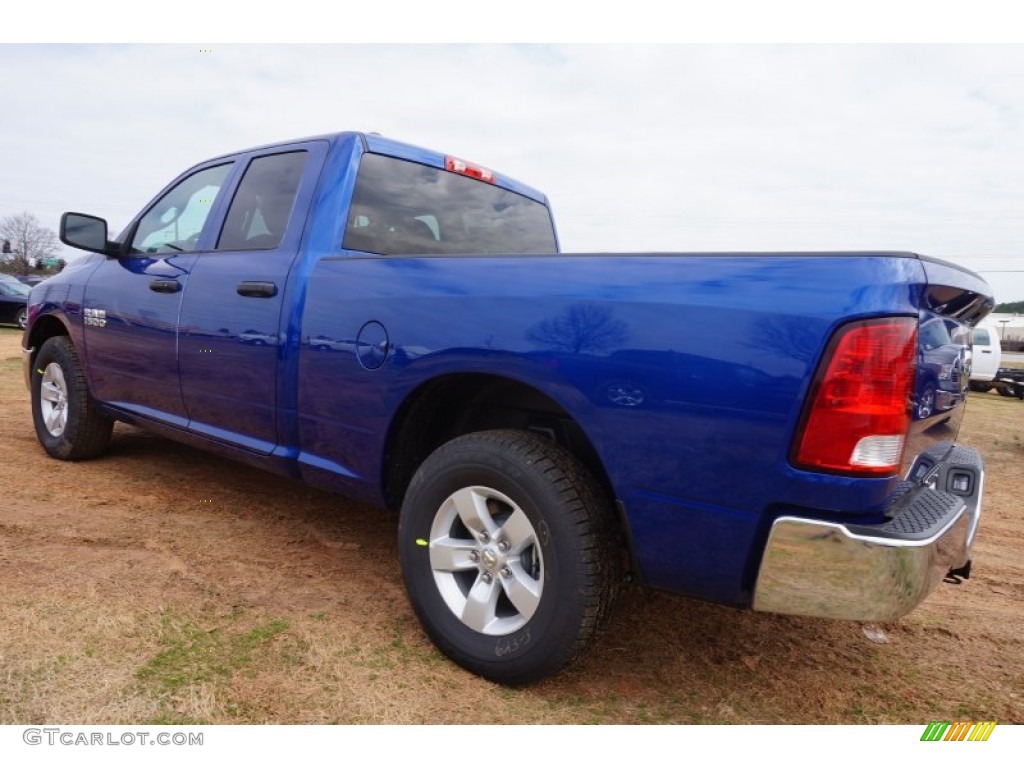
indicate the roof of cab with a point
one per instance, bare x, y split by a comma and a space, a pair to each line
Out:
374, 142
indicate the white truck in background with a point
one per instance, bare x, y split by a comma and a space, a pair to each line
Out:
986, 356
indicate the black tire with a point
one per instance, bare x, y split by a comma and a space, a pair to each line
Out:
22, 318
59, 387
977, 386
1006, 391
550, 529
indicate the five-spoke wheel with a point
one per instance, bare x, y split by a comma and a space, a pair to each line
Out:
486, 561
53, 399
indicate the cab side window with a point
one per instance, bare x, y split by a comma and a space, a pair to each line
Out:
174, 223
263, 203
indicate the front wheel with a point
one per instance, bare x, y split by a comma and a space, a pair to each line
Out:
508, 554
68, 422
926, 403
22, 318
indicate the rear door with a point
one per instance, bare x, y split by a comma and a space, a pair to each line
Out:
233, 324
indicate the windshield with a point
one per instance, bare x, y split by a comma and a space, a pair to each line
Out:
404, 208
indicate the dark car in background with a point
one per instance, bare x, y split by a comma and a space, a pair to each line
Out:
13, 302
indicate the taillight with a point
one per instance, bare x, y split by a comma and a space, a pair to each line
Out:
859, 407
455, 165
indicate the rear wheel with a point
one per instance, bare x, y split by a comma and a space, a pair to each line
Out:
508, 554
22, 318
68, 422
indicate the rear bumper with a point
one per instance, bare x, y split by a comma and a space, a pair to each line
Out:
878, 572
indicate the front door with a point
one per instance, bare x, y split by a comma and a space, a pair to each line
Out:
131, 303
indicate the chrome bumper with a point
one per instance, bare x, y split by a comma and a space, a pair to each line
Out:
26, 366
880, 572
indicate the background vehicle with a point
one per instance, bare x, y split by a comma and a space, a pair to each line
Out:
539, 420
1009, 382
13, 302
987, 354
942, 348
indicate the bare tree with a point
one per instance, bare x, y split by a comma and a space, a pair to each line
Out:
580, 328
30, 242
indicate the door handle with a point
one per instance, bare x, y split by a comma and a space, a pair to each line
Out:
165, 286
255, 289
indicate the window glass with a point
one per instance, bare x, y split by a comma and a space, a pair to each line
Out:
981, 337
259, 212
934, 334
14, 289
400, 207
176, 221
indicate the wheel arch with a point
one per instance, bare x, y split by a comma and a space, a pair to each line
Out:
456, 404
45, 327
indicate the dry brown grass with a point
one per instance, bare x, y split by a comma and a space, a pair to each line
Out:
126, 599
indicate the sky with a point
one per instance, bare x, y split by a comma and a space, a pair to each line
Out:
639, 147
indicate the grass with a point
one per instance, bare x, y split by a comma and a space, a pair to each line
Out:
192, 678
191, 654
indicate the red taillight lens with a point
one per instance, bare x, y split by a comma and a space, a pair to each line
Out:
859, 410
455, 165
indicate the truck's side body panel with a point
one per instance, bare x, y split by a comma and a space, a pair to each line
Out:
716, 349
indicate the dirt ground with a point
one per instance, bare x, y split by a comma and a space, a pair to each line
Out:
162, 585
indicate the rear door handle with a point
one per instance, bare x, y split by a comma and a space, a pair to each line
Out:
165, 286
255, 289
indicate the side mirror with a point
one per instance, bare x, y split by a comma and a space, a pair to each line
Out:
79, 230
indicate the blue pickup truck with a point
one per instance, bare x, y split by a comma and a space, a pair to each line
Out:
377, 319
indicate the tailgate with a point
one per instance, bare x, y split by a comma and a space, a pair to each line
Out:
952, 303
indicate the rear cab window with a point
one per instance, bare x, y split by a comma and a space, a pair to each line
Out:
404, 208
